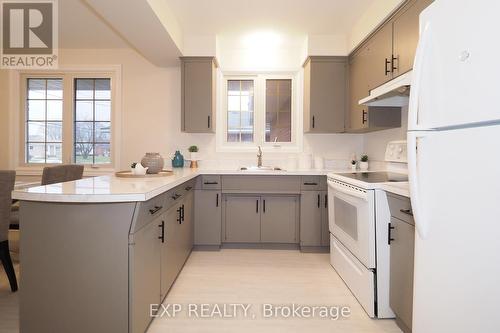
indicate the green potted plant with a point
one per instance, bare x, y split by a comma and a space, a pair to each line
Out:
353, 165
363, 164
193, 151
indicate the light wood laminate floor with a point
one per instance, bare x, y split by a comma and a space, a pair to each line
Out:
253, 277
258, 277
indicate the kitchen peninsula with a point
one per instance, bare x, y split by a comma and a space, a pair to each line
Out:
106, 247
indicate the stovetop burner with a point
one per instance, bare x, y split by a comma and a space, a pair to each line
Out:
376, 177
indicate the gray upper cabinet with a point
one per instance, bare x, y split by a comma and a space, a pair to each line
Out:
242, 219
325, 95
379, 57
207, 230
279, 219
405, 35
198, 94
385, 54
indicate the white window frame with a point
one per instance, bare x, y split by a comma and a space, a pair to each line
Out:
222, 145
18, 80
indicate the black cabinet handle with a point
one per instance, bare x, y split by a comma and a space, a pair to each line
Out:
393, 66
312, 184
387, 62
326, 200
389, 238
217, 200
182, 213
210, 183
209, 122
264, 205
364, 117
313, 121
188, 188
179, 215
155, 209
176, 196
162, 227
319, 198
406, 211
257, 206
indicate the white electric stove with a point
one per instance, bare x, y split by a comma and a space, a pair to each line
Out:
358, 222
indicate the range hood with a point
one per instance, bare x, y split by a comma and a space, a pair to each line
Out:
393, 93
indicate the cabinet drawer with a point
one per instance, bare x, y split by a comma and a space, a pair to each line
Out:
261, 184
149, 210
209, 182
400, 208
175, 194
310, 183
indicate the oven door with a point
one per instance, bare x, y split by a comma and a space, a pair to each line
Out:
352, 219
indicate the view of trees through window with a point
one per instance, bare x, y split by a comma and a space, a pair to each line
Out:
44, 115
92, 121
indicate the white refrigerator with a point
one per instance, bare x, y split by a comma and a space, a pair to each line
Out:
454, 168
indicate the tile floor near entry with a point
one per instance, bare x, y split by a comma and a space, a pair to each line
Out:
253, 277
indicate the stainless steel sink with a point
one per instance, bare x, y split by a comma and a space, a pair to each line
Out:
261, 168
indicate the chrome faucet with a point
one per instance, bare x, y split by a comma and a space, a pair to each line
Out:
259, 158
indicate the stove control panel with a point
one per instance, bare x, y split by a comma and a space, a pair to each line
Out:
396, 152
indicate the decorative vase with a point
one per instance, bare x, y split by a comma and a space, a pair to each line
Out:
353, 167
153, 161
363, 166
178, 160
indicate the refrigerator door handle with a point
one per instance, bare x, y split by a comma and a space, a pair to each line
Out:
417, 79
421, 222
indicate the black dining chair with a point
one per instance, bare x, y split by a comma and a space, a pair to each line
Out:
7, 180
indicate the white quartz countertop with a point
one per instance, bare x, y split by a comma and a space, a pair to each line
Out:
401, 188
110, 188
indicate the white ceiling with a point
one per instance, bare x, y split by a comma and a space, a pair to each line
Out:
287, 16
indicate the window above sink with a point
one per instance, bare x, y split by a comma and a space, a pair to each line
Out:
259, 109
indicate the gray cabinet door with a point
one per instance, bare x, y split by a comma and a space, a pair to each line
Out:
405, 35
325, 233
401, 276
279, 219
170, 249
379, 57
242, 219
145, 268
358, 89
198, 94
325, 94
187, 225
310, 218
207, 215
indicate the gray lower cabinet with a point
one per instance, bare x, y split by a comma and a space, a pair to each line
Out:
242, 219
260, 219
310, 218
325, 233
314, 212
402, 244
145, 277
208, 217
279, 219
170, 262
